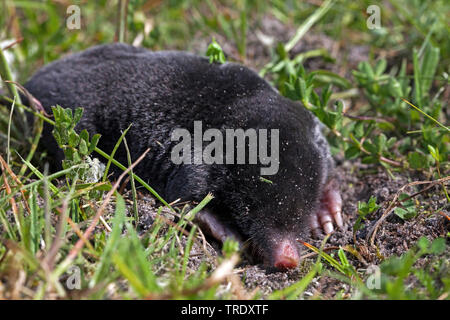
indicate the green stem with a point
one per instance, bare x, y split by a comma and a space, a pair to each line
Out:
425, 114
6, 75
319, 13
133, 187
122, 20
34, 144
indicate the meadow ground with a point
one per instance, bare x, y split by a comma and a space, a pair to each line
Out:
381, 93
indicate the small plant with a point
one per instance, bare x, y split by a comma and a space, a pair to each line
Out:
230, 247
407, 209
364, 209
375, 137
342, 265
215, 52
432, 281
76, 147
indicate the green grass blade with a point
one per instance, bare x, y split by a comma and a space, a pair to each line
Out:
301, 31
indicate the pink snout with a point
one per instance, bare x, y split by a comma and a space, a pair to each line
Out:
286, 255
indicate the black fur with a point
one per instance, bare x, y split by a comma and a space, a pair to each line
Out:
118, 84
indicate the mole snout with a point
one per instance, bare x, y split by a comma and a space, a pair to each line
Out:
286, 255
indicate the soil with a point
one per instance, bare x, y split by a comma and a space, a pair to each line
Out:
358, 182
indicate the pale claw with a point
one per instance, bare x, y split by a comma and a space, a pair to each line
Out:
315, 225
326, 220
338, 219
330, 211
333, 201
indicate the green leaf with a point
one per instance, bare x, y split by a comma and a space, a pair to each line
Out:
438, 246
94, 142
367, 70
402, 213
359, 130
352, 152
76, 157
215, 52
423, 243
395, 89
294, 290
338, 115
380, 67
343, 258
435, 153
365, 209
77, 116
118, 223
56, 113
230, 246
74, 139
64, 134
326, 94
68, 153
417, 79
408, 209
369, 159
428, 67
328, 77
371, 147
83, 148
84, 135
380, 141
57, 137
391, 142
67, 115
417, 160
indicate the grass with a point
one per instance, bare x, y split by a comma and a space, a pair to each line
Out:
73, 229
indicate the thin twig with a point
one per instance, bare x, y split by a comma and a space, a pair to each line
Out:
368, 118
19, 183
12, 44
11, 200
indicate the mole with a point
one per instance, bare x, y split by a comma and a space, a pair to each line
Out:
211, 128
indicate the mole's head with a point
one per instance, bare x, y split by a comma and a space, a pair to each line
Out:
270, 209
281, 209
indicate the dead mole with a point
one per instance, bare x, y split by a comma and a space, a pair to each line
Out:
271, 181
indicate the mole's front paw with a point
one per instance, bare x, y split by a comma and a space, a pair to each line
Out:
330, 210
213, 226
